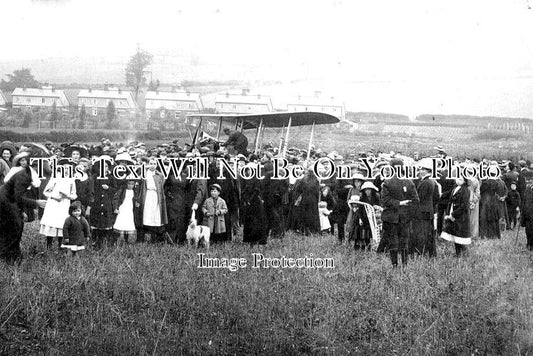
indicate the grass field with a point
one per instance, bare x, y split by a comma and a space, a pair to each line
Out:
152, 299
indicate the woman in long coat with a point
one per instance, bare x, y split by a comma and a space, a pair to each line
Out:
340, 190
456, 220
102, 216
254, 218
490, 208
423, 237
181, 194
355, 190
307, 193
12, 204
153, 204
273, 191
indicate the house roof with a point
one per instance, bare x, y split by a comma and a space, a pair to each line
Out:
108, 94
257, 99
315, 101
47, 92
172, 96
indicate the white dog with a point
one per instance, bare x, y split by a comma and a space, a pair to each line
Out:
197, 233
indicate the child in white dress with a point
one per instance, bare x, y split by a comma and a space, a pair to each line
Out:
60, 192
124, 205
323, 211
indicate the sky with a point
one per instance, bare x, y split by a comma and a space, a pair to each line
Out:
409, 57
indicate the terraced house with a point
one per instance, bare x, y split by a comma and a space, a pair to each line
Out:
174, 103
97, 100
243, 103
318, 103
39, 98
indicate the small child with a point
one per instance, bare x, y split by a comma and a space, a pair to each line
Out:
76, 230
513, 204
325, 225
124, 204
214, 209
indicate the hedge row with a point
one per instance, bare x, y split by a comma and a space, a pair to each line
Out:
90, 136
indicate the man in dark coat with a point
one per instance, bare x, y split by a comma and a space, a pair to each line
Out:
396, 196
527, 208
237, 140
273, 191
521, 182
423, 240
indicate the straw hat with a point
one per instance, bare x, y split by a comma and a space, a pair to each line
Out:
18, 157
369, 185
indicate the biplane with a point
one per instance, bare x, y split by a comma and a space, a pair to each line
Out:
284, 120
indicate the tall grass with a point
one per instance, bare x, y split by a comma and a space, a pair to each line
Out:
146, 299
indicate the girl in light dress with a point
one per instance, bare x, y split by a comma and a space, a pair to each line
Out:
325, 225
125, 204
60, 192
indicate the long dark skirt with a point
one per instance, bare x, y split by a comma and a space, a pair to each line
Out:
489, 217
362, 237
11, 225
255, 227
422, 240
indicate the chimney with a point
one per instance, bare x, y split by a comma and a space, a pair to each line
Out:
106, 87
24, 88
245, 91
90, 90
173, 88
258, 96
227, 94
188, 93
317, 93
119, 91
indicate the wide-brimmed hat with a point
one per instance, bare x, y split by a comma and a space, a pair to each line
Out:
68, 150
18, 157
358, 176
124, 157
369, 185
65, 160
7, 146
215, 186
354, 199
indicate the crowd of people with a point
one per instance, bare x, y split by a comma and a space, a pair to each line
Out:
398, 215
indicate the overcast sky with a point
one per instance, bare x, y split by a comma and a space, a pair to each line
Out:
476, 55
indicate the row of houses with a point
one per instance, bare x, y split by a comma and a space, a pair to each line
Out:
174, 102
